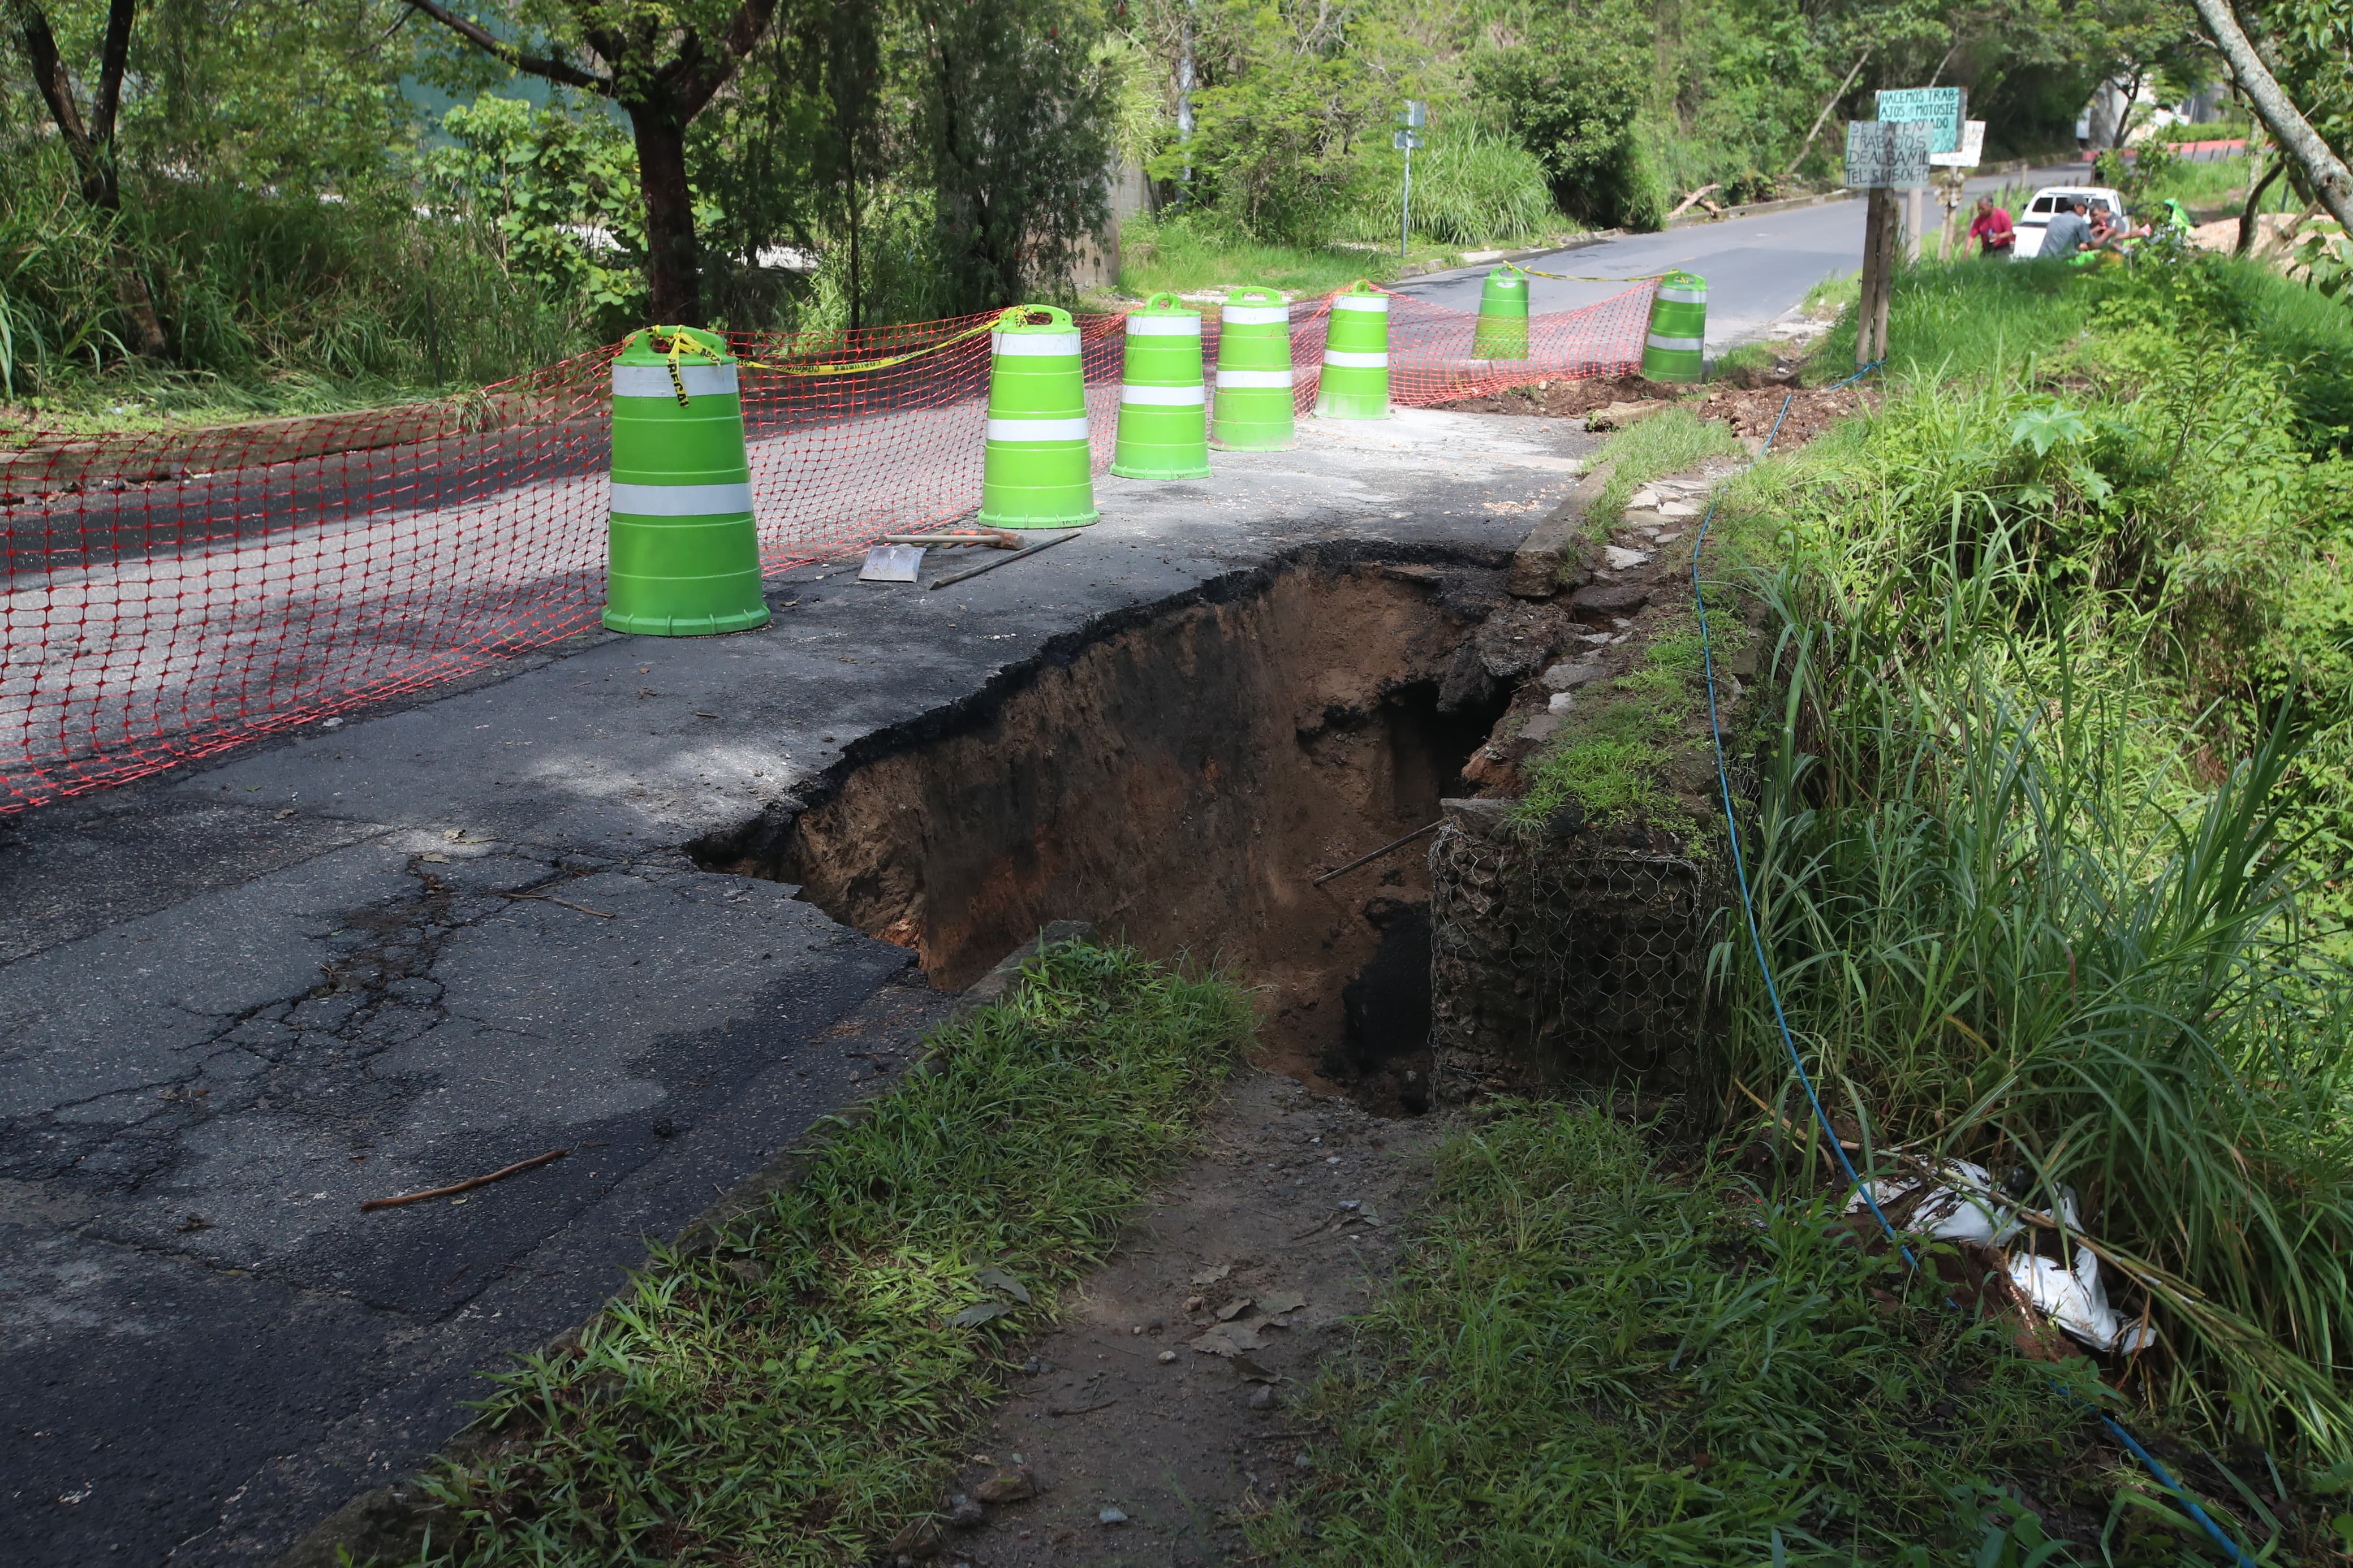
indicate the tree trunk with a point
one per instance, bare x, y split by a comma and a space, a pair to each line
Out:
673, 260
91, 144
2323, 171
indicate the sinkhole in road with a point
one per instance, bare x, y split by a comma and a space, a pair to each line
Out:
1180, 779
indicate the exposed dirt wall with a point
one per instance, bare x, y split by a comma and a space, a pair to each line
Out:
1181, 783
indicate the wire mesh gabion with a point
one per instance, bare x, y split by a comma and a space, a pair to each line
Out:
1560, 960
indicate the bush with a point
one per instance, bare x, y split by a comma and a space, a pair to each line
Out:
1471, 187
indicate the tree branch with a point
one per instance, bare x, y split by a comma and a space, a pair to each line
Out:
2323, 169
56, 87
700, 77
557, 71
119, 16
1828, 104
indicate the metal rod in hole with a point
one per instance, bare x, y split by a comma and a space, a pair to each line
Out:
1376, 854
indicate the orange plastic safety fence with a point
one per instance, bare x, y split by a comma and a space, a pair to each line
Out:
166, 594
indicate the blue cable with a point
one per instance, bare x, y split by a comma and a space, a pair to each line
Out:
1805, 1080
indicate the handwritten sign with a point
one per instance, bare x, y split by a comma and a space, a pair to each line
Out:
1880, 152
1939, 107
1972, 150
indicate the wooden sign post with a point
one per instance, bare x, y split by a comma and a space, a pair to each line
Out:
1882, 157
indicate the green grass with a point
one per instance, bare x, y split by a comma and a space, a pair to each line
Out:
2045, 881
1584, 1360
271, 305
1472, 188
1839, 291
1180, 257
1615, 757
2218, 184
797, 1395
1667, 442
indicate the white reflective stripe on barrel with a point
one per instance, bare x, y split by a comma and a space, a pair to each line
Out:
1164, 326
1035, 345
1676, 345
1238, 380
682, 500
1166, 396
1506, 282
653, 380
1347, 360
1362, 303
1684, 295
1037, 429
1257, 315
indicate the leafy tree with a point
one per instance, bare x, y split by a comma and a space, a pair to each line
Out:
662, 61
1011, 119
560, 192
91, 139
1573, 86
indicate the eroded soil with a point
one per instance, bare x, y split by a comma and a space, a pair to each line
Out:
1182, 786
1750, 409
1162, 1413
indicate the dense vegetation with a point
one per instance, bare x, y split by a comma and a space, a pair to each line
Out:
2050, 851
274, 206
2054, 803
1588, 1359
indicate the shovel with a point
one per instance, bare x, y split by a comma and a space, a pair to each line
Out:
891, 563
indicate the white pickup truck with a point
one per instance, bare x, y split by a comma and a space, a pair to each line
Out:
2045, 207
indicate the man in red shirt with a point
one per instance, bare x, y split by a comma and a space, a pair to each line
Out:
1992, 229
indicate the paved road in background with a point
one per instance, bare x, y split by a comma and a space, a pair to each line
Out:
1756, 268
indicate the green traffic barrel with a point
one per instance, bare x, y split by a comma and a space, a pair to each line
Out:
1253, 412
1502, 330
1037, 470
683, 555
1162, 407
1356, 380
1678, 338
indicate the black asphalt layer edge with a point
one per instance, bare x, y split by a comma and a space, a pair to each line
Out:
395, 1523
762, 838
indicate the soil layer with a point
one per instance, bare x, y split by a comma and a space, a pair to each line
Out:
1750, 410
1181, 785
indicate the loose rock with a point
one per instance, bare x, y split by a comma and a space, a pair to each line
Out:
1008, 1486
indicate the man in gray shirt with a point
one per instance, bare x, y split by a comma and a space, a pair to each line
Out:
2069, 232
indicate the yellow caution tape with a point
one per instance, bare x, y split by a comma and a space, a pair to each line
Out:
681, 344
1583, 278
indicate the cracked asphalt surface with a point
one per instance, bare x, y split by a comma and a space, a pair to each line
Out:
237, 1000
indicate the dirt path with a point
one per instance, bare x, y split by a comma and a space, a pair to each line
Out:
1160, 1414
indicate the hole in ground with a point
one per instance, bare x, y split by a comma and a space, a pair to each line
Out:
1180, 783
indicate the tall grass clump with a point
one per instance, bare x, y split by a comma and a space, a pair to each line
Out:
270, 303
1471, 187
2010, 925
1189, 253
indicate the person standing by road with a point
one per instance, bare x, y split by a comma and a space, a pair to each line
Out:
2069, 232
1992, 230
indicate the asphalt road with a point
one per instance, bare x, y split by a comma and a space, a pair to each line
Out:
237, 1000
1756, 268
